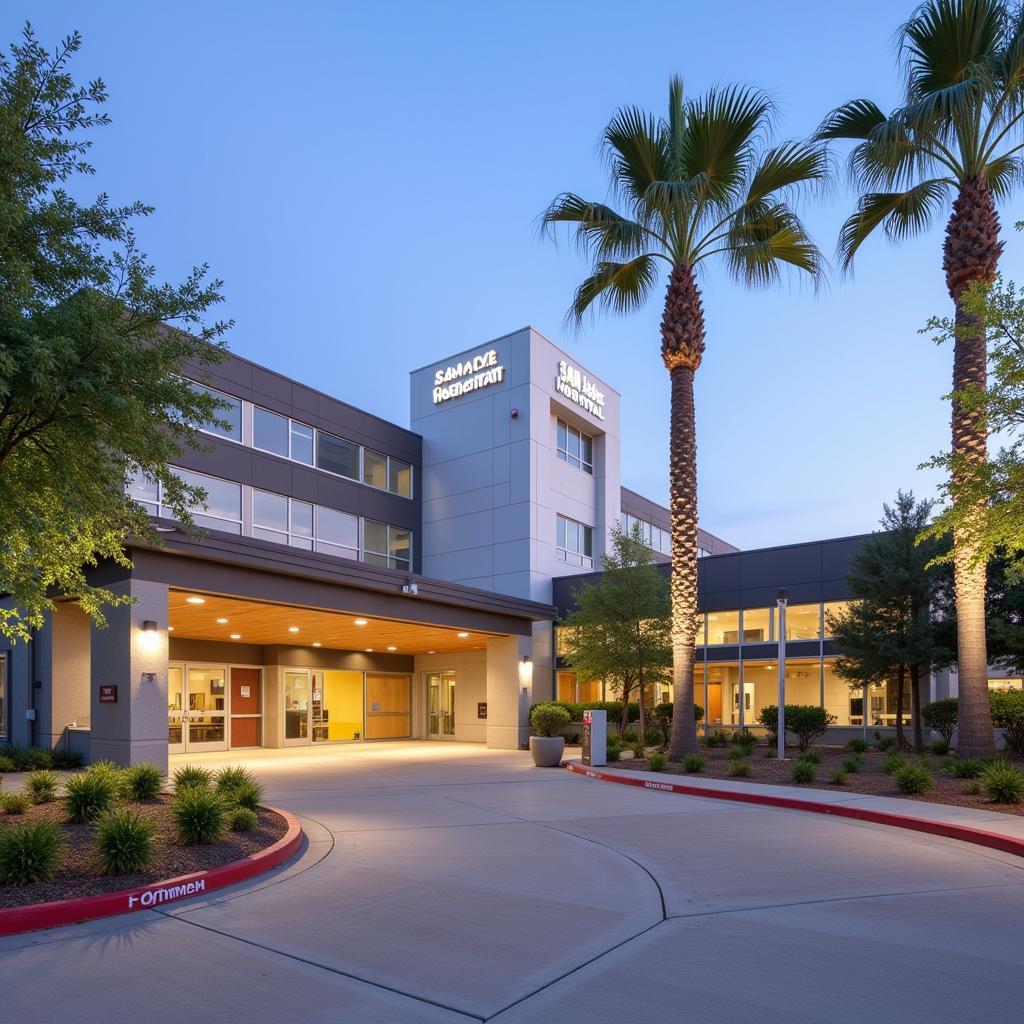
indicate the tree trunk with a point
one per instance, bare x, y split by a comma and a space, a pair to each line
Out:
641, 723
972, 251
915, 705
901, 689
682, 344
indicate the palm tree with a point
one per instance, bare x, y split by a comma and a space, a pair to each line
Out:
956, 134
699, 184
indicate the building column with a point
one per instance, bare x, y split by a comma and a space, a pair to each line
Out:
134, 727
509, 692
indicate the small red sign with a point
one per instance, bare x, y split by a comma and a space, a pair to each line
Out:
108, 694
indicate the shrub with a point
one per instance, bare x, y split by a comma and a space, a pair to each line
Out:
892, 761
233, 776
807, 722
6, 763
42, 786
941, 715
111, 768
612, 751
15, 803
912, 777
247, 795
198, 814
89, 795
142, 781
1008, 715
67, 760
740, 768
814, 756
31, 760
629, 737
191, 776
838, 777
886, 745
968, 768
940, 747
858, 745
241, 819
738, 751
548, 719
716, 739
1003, 782
853, 764
693, 763
803, 772
972, 787
638, 749
29, 853
124, 842
657, 762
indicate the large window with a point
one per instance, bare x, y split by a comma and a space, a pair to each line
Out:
230, 414
283, 520
222, 509
723, 628
337, 533
653, 536
574, 542
336, 455
282, 436
574, 447
803, 622
385, 545
757, 625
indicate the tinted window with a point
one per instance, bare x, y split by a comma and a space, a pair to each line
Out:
375, 469
270, 431
337, 455
400, 478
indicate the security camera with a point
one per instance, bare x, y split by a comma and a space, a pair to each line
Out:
410, 588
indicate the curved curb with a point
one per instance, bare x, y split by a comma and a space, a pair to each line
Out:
35, 916
948, 830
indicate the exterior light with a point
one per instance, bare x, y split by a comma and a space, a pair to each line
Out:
149, 626
170, 629
222, 622
236, 636
462, 636
150, 636
293, 629
196, 600
526, 659
392, 648
369, 650
360, 622
430, 652
317, 644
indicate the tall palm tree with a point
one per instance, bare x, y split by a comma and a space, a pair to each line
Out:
956, 136
699, 184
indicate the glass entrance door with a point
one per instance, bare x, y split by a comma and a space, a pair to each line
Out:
441, 705
297, 701
196, 708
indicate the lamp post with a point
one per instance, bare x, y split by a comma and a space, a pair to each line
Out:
782, 600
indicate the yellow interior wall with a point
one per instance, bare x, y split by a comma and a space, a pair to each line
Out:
343, 700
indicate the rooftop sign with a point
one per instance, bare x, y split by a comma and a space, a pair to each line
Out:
470, 375
579, 388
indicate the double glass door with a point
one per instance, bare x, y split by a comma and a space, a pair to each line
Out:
441, 705
196, 708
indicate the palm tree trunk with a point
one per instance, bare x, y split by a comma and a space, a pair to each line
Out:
972, 251
682, 344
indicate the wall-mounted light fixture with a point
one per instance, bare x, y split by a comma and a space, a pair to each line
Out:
150, 633
526, 659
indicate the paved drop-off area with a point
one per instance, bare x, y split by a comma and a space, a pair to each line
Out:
448, 883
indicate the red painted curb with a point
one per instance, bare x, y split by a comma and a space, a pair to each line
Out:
965, 833
15, 920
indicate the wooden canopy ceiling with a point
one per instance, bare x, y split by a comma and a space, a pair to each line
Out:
253, 622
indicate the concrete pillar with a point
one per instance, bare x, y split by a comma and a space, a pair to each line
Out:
509, 692
135, 727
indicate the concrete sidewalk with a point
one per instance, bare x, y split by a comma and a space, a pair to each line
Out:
451, 883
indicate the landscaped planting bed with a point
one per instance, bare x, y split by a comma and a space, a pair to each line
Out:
942, 786
128, 838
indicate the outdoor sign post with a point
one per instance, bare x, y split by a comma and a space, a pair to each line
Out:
595, 738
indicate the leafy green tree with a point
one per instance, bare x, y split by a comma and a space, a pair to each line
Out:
887, 631
90, 385
621, 629
956, 134
700, 184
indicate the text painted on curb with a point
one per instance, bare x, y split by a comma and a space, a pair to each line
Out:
154, 897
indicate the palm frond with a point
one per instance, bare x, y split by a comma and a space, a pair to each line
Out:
675, 127
765, 240
854, 120
600, 232
635, 152
1003, 174
786, 165
616, 287
899, 213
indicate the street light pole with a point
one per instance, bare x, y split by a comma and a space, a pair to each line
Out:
782, 600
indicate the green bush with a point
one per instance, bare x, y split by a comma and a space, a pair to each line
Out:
853, 764
247, 794
812, 755
7, 763
1003, 782
693, 763
858, 745
912, 777
803, 772
231, 777
142, 781
892, 761
241, 819
718, 738
745, 738
29, 853
738, 751
33, 760
1008, 715
191, 776
198, 814
972, 787
657, 762
15, 803
968, 768
807, 722
740, 768
941, 715
940, 748
838, 777
548, 719
89, 795
111, 768
67, 760
124, 842
42, 786
885, 744
638, 749
629, 737
612, 751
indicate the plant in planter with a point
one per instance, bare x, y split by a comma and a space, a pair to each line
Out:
547, 744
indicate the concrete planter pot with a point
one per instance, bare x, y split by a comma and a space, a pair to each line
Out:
547, 750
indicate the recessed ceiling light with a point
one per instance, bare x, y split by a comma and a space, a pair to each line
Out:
293, 629
170, 629
462, 636
428, 652
316, 643
360, 622
236, 636
222, 622
196, 600
392, 648
369, 650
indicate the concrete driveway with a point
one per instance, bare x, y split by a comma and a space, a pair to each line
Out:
450, 883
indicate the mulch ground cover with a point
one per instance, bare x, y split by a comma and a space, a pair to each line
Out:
946, 789
80, 874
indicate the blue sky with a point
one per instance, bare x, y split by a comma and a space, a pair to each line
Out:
366, 178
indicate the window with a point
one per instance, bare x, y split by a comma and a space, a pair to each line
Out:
400, 478
388, 546
336, 455
375, 469
723, 628
803, 622
302, 443
834, 610
223, 507
146, 492
653, 536
282, 520
574, 447
337, 533
574, 542
230, 413
270, 432
757, 625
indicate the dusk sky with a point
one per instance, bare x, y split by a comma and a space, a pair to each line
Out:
366, 179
